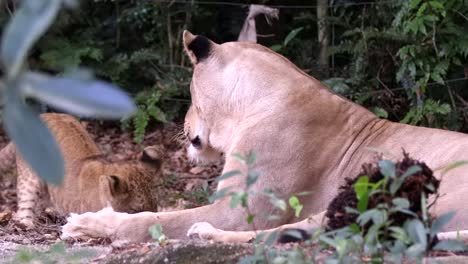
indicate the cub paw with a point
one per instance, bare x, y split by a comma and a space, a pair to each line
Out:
204, 231
24, 221
102, 224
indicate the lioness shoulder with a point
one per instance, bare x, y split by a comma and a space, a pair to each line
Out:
91, 182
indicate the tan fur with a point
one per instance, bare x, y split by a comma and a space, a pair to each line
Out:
194, 127
91, 182
306, 139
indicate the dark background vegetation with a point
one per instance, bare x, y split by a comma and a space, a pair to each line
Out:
406, 60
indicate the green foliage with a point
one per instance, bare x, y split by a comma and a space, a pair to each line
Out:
22, 123
438, 30
199, 196
147, 109
157, 234
134, 44
241, 198
411, 44
373, 237
376, 236
428, 114
289, 37
61, 53
57, 253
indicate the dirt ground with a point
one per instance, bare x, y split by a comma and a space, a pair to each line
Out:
185, 185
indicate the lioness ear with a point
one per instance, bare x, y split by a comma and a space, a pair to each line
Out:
116, 185
152, 155
197, 47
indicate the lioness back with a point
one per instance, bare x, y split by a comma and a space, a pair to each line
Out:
91, 182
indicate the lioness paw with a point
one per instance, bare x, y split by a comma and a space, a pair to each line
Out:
204, 231
102, 224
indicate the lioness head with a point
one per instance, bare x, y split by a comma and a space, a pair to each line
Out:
131, 186
197, 133
226, 95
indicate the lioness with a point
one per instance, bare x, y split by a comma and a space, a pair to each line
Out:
91, 182
249, 98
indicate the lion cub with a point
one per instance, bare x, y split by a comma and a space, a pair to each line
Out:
91, 182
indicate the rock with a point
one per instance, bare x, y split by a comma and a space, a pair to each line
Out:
185, 252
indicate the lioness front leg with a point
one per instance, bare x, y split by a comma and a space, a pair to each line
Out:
134, 227
206, 231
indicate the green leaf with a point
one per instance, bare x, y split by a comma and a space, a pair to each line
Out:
296, 205
80, 97
361, 187
292, 35
411, 171
276, 47
156, 233
235, 200
424, 207
416, 231
58, 248
399, 234
220, 194
451, 245
305, 193
280, 203
252, 177
366, 216
250, 218
387, 168
251, 158
272, 237
277, 202
354, 228
454, 165
32, 138
440, 222
416, 250
350, 210
414, 4
421, 9
240, 158
380, 112
401, 202
29, 22
157, 113
228, 175
436, 5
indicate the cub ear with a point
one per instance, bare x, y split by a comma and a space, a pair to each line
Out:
197, 47
117, 186
152, 155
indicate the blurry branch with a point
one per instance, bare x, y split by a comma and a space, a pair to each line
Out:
76, 92
323, 33
249, 31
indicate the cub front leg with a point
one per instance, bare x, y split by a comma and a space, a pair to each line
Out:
30, 191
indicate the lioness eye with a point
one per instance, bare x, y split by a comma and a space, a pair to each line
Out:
196, 142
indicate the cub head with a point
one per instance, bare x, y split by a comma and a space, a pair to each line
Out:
197, 133
131, 186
